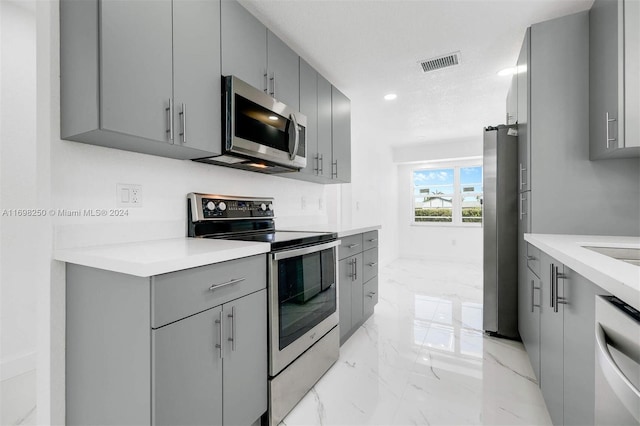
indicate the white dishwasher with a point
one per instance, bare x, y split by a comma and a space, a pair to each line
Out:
617, 333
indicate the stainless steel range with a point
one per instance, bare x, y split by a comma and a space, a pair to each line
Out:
302, 291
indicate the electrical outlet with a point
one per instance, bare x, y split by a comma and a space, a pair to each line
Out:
128, 195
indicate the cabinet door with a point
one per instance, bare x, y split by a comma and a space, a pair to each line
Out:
370, 296
529, 316
356, 293
551, 341
283, 69
512, 101
245, 359
243, 44
341, 136
345, 278
324, 127
196, 71
136, 67
370, 264
524, 147
632, 74
187, 371
309, 107
579, 348
603, 79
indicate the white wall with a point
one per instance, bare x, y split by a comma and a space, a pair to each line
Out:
20, 266
422, 241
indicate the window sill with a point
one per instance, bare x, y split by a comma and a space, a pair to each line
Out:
445, 225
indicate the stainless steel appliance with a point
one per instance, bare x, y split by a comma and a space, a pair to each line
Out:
617, 366
302, 296
500, 231
259, 133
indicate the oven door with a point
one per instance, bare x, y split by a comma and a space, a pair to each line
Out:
260, 127
303, 300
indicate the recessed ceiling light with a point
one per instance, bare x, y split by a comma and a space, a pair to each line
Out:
390, 96
273, 118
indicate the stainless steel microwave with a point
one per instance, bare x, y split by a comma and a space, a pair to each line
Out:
259, 133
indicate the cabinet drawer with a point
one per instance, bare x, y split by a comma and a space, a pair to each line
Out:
370, 240
370, 264
369, 296
179, 294
533, 259
350, 246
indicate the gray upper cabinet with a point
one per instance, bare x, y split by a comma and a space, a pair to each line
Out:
325, 141
309, 107
614, 79
254, 54
341, 136
244, 45
524, 140
283, 68
135, 74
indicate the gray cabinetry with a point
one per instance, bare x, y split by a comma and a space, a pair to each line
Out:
552, 338
341, 136
141, 76
614, 79
325, 138
257, 56
358, 281
199, 360
557, 329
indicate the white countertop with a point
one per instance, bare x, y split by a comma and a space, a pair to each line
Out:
341, 230
145, 259
619, 278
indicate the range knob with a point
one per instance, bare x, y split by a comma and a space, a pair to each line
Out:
263, 207
211, 206
222, 206
271, 207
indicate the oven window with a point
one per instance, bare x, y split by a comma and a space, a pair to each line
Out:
260, 125
306, 293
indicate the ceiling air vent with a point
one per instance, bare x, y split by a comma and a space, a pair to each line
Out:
443, 61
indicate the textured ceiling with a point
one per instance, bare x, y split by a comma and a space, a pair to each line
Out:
368, 48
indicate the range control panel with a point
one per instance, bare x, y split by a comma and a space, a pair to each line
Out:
223, 207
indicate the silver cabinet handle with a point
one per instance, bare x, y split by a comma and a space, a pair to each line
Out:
609, 120
234, 281
321, 164
352, 245
622, 387
169, 111
533, 289
373, 240
273, 84
353, 269
183, 121
371, 294
296, 144
266, 84
522, 200
355, 276
373, 264
334, 164
559, 300
317, 169
522, 182
531, 258
551, 298
219, 344
232, 338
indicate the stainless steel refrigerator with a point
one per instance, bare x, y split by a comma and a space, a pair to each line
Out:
500, 231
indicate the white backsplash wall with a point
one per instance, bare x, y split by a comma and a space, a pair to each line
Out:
85, 177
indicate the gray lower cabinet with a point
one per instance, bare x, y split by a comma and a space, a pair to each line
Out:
614, 79
556, 321
141, 76
188, 347
358, 281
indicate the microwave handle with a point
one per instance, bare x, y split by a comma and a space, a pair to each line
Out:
293, 154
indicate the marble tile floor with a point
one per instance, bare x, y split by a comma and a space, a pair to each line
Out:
422, 359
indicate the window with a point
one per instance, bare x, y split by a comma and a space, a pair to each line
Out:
448, 195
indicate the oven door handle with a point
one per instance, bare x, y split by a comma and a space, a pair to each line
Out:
305, 250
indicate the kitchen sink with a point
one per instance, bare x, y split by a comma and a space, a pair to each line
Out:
626, 254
